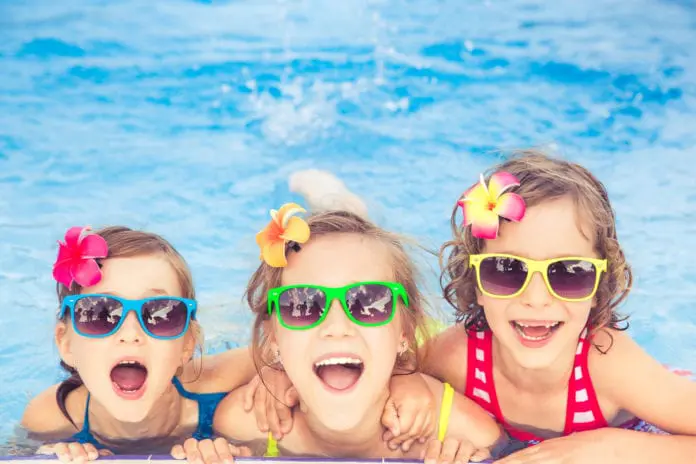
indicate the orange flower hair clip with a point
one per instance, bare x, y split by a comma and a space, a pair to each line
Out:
283, 230
483, 205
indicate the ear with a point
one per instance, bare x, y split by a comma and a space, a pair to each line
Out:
62, 339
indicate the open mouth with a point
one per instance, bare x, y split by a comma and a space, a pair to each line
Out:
339, 373
128, 378
536, 331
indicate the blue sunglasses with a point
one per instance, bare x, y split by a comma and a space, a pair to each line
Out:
99, 316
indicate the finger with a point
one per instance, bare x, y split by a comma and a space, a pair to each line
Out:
193, 455
250, 392
260, 409
390, 419
62, 452
479, 455
222, 448
77, 452
91, 451
272, 416
177, 452
464, 453
284, 414
432, 452
208, 452
46, 449
105, 452
449, 451
241, 451
292, 398
414, 432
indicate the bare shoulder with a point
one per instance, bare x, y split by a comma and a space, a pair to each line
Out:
446, 356
43, 415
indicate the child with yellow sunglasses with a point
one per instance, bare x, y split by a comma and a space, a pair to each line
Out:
539, 343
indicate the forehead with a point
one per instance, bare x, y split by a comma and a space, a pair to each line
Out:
339, 259
137, 277
550, 229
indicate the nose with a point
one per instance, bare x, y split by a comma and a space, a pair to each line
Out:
336, 324
130, 331
536, 295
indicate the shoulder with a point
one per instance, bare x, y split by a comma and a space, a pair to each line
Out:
43, 415
446, 356
233, 422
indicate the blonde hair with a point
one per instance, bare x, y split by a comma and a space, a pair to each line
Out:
542, 179
124, 242
414, 317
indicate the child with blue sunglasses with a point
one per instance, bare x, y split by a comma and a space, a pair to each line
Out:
126, 334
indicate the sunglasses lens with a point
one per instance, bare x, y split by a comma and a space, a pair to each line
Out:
502, 276
572, 279
370, 304
301, 306
165, 317
97, 315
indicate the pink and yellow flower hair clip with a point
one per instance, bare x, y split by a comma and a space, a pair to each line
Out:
483, 205
283, 230
77, 258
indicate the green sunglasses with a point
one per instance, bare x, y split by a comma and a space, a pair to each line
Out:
369, 304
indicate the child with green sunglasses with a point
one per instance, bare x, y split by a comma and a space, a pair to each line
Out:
339, 315
539, 341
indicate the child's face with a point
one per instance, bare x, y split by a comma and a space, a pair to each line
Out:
339, 396
548, 230
128, 393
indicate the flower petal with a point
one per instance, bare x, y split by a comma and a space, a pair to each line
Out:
93, 246
477, 193
471, 210
297, 230
64, 253
485, 225
274, 254
72, 236
500, 182
61, 272
510, 206
86, 272
286, 211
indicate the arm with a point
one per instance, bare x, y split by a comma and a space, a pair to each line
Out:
446, 356
635, 382
233, 422
221, 372
467, 420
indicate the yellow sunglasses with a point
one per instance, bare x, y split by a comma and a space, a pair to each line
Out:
569, 278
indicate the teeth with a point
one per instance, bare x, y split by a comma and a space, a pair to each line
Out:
128, 363
548, 326
334, 361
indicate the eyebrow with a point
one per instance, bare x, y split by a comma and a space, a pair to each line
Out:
150, 291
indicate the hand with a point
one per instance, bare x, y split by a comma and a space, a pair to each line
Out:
410, 413
270, 412
73, 452
219, 451
452, 451
581, 447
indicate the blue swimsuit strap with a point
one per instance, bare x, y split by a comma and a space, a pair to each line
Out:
207, 404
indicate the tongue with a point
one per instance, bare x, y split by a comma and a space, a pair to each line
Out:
129, 378
338, 377
535, 331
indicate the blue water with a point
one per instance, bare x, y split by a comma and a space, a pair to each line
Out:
186, 117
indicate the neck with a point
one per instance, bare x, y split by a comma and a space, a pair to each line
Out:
154, 425
364, 440
540, 380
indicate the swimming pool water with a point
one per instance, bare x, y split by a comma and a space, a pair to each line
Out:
186, 118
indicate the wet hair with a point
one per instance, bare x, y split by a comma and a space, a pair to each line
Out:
127, 243
414, 317
543, 179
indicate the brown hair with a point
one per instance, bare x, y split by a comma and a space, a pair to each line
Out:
542, 179
126, 243
343, 222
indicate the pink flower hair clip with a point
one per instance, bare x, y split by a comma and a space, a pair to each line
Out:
77, 258
483, 206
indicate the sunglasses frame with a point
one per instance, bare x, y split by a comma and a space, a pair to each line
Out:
542, 268
333, 293
135, 306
